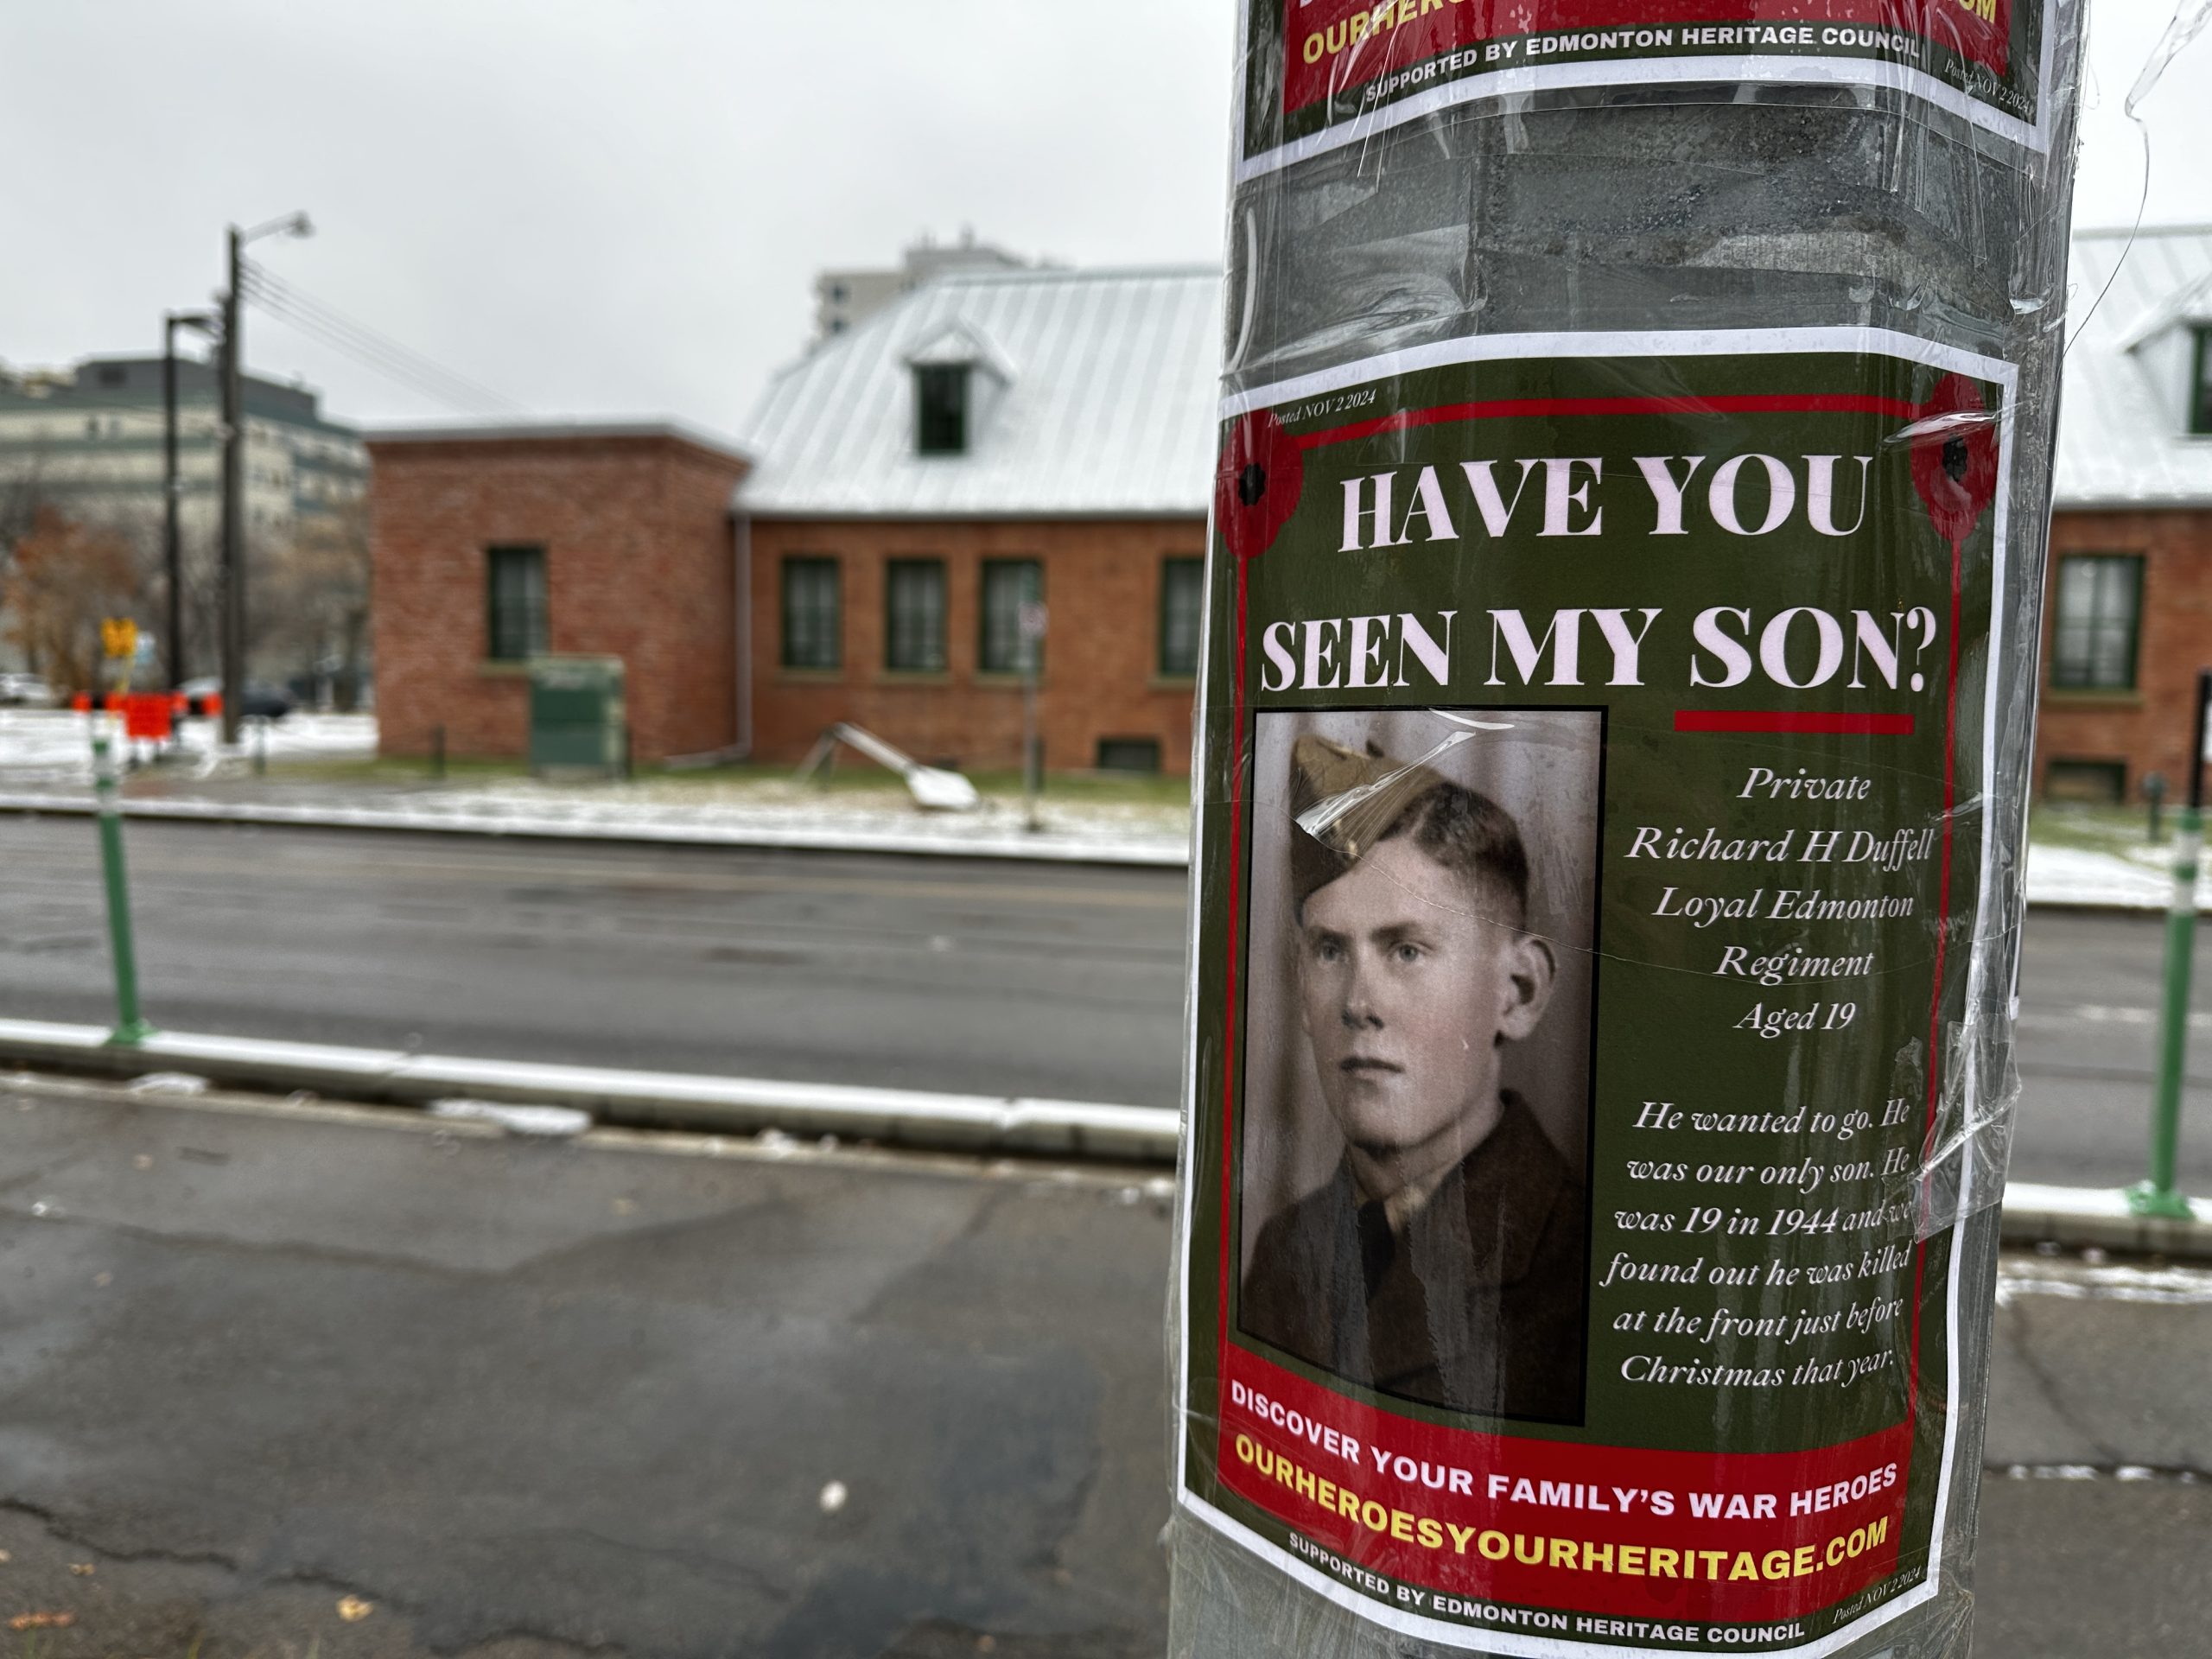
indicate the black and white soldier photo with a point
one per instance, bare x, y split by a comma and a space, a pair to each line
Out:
1417, 1096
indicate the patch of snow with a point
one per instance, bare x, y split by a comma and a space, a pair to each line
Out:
54, 746
553, 1121
168, 1083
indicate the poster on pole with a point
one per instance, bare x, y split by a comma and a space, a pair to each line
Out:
1590, 855
1322, 74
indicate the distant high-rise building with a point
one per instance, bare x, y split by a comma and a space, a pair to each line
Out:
843, 298
87, 442
89, 437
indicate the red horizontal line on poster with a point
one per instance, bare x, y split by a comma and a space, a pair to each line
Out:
1792, 720
1502, 408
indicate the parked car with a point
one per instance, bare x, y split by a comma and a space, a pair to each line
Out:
260, 700
25, 691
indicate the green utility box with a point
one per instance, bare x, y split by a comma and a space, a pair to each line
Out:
579, 718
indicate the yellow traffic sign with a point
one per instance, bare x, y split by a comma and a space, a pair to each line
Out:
119, 638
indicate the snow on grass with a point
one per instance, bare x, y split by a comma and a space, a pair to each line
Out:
54, 746
2075, 857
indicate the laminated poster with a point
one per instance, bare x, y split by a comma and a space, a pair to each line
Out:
1589, 863
1325, 72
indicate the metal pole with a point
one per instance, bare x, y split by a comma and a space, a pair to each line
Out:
2161, 1195
233, 504
1029, 740
129, 1027
172, 539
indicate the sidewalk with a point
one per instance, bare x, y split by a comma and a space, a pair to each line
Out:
428, 1390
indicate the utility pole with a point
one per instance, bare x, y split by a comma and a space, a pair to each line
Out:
234, 363
176, 670
233, 628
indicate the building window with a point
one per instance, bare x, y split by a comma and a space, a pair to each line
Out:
2096, 783
2100, 599
1128, 754
913, 615
1182, 600
811, 624
1008, 584
941, 396
2200, 386
515, 607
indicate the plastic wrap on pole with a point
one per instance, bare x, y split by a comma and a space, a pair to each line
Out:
1527, 254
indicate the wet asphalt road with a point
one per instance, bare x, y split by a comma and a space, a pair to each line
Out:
932, 974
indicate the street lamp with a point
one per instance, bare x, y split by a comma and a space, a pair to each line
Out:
172, 541
234, 469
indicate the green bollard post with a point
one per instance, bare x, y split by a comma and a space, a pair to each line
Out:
129, 1027
2161, 1196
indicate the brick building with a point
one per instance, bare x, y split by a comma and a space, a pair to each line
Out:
990, 438
2127, 616
494, 544
995, 436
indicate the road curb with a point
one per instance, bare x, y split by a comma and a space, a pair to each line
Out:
941, 1123
1039, 849
2077, 1218
2072, 1217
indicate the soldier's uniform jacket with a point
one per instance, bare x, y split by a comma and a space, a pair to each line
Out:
1477, 1306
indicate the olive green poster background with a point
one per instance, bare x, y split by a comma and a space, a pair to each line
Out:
1790, 855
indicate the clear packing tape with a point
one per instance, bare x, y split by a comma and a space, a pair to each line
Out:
1436, 236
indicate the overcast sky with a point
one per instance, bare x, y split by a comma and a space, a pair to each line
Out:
617, 207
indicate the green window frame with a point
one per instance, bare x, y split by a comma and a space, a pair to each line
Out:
514, 603
1182, 615
2098, 634
1008, 584
941, 409
813, 612
913, 616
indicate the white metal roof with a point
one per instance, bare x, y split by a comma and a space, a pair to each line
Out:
2123, 438
1108, 393
1101, 403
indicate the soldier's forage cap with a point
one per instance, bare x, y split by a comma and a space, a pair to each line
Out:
1343, 801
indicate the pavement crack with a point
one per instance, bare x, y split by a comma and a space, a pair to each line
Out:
286, 1250
60, 1528
34, 1178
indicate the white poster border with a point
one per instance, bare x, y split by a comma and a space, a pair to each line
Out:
1871, 342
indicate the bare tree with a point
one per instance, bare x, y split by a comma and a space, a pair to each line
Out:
63, 579
311, 602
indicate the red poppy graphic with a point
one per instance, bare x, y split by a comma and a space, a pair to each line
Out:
1256, 487
1954, 457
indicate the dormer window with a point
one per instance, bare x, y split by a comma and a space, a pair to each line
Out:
941, 399
2200, 385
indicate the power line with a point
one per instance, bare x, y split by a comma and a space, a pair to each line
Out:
386, 357
366, 346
